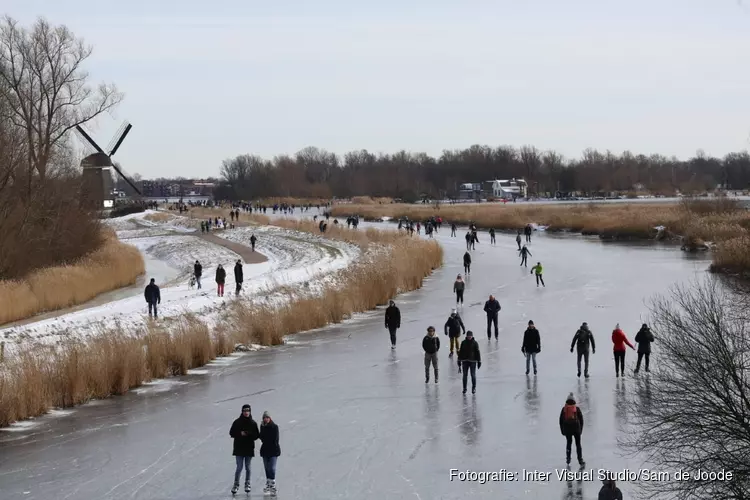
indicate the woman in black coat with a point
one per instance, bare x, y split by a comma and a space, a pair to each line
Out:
269, 450
244, 431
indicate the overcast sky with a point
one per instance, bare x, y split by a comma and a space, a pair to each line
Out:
206, 80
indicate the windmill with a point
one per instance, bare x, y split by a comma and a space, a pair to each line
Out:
94, 166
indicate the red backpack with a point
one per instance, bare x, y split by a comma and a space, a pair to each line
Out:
570, 414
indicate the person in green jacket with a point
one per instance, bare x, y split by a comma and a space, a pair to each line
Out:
538, 269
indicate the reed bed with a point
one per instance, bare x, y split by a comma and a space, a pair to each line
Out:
116, 361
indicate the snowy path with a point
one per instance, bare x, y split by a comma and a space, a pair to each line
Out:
170, 251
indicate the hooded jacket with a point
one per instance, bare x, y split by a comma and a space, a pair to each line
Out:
532, 343
619, 340
269, 437
467, 258
392, 317
459, 286
152, 293
643, 338
244, 446
567, 427
221, 275
469, 351
492, 307
238, 274
582, 339
431, 344
454, 326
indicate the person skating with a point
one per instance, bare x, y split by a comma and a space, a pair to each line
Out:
518, 240
221, 276
467, 263
153, 297
571, 426
492, 308
582, 339
469, 240
538, 270
525, 254
238, 277
431, 346
619, 340
492, 236
270, 451
531, 345
453, 230
458, 288
527, 231
474, 239
609, 490
643, 338
469, 360
253, 239
198, 272
453, 328
244, 431
392, 321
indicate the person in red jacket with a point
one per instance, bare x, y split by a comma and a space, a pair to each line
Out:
619, 340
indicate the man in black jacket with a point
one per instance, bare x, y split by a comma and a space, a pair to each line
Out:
244, 431
467, 263
392, 321
492, 308
582, 339
643, 338
431, 346
238, 277
531, 345
453, 328
571, 426
221, 276
198, 272
469, 359
153, 297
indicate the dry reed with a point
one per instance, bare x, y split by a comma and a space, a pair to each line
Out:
113, 265
115, 361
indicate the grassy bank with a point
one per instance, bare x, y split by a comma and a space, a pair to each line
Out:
117, 361
113, 265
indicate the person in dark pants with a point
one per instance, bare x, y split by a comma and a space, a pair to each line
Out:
582, 339
253, 239
531, 345
571, 426
469, 240
527, 231
221, 276
524, 253
238, 277
643, 338
453, 230
431, 346
538, 269
492, 308
153, 297
518, 240
270, 450
453, 328
467, 263
492, 236
469, 360
458, 288
619, 340
198, 272
609, 490
244, 431
392, 321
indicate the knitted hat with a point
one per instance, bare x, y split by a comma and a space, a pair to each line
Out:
470, 333
245, 407
531, 323
453, 312
571, 398
266, 414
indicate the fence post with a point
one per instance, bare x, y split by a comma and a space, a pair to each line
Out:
2, 351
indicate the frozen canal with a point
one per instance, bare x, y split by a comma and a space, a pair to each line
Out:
357, 419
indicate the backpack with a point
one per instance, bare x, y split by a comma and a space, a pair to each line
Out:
583, 338
570, 414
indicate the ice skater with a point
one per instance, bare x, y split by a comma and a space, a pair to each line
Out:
467, 263
469, 360
582, 339
524, 253
453, 230
492, 308
221, 276
518, 240
469, 240
571, 426
538, 269
527, 231
392, 321
431, 346
238, 277
619, 340
531, 345
153, 297
244, 431
643, 338
458, 288
492, 235
270, 451
453, 328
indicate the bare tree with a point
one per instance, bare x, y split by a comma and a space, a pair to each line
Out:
693, 412
46, 87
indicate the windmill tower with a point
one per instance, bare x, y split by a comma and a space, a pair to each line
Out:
96, 177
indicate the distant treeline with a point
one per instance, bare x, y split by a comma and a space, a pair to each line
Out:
316, 173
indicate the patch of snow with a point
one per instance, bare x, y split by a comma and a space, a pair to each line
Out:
197, 371
22, 426
158, 386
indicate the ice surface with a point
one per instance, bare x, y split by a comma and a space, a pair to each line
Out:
357, 420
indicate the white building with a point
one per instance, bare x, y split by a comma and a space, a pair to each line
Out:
509, 189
